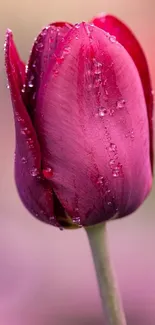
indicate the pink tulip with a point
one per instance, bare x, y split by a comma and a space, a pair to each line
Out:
83, 110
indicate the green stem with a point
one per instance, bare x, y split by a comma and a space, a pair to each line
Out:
111, 302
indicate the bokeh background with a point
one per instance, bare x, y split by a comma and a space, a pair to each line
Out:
46, 275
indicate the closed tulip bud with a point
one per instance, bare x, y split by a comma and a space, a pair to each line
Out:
83, 111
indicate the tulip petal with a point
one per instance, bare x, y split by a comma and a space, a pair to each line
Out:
42, 51
35, 192
125, 37
89, 134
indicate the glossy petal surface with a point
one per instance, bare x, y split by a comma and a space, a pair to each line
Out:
125, 37
35, 192
90, 135
43, 50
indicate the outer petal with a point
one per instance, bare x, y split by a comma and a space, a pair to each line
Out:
42, 51
35, 192
125, 37
97, 145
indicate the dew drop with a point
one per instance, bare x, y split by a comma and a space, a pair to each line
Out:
40, 45
34, 172
117, 171
107, 34
98, 64
102, 111
26, 68
111, 162
100, 180
5, 46
34, 64
111, 112
97, 83
77, 25
48, 172
19, 119
25, 131
120, 103
112, 147
132, 134
67, 49
112, 38
76, 220
97, 71
60, 59
8, 87
89, 87
30, 143
30, 83
106, 92
51, 219
23, 160
34, 96
109, 203
23, 89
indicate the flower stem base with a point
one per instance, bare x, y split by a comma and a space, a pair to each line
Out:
111, 301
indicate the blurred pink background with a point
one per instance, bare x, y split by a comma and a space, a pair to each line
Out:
46, 275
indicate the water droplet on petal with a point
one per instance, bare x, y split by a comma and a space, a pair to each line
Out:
120, 103
34, 96
102, 111
76, 220
23, 89
34, 64
48, 172
97, 83
8, 86
77, 25
112, 147
26, 68
30, 83
112, 38
100, 180
51, 219
60, 59
23, 160
89, 87
98, 68
34, 172
30, 143
40, 45
111, 162
67, 50
25, 131
111, 112
117, 171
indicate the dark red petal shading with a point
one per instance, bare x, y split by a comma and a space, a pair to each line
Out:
89, 134
125, 37
34, 191
42, 51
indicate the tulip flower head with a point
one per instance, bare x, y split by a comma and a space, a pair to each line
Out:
83, 109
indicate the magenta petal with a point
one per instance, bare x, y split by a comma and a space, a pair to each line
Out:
89, 133
43, 49
125, 37
34, 191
